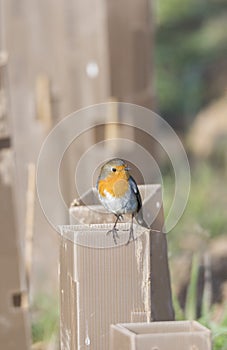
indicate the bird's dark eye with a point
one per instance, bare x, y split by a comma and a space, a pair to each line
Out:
114, 169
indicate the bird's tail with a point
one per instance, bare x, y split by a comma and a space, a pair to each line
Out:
139, 218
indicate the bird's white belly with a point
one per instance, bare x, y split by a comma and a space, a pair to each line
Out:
122, 205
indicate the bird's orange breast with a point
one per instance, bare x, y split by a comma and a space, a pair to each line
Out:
116, 185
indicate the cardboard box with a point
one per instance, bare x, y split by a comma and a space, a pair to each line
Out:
180, 335
101, 283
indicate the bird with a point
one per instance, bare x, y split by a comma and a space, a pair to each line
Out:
119, 194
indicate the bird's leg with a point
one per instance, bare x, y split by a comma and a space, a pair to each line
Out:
121, 217
114, 230
131, 234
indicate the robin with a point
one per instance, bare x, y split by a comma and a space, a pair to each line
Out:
119, 194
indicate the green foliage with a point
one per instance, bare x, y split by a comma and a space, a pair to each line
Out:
207, 202
205, 213
191, 42
205, 216
177, 12
45, 321
191, 299
219, 330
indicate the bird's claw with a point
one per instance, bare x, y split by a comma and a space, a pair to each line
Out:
121, 217
131, 237
114, 233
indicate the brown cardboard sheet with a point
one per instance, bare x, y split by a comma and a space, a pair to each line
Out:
102, 283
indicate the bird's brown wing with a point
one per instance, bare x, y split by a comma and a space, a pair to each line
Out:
139, 214
135, 189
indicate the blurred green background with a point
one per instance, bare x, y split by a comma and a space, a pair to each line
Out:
191, 86
190, 57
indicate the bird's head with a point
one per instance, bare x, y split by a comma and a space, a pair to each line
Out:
114, 168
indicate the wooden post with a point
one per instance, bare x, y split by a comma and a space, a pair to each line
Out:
14, 321
112, 129
29, 225
43, 101
103, 284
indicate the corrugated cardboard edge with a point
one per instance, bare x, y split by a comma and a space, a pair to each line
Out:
140, 336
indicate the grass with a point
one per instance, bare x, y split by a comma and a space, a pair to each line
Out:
45, 319
204, 220
208, 313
